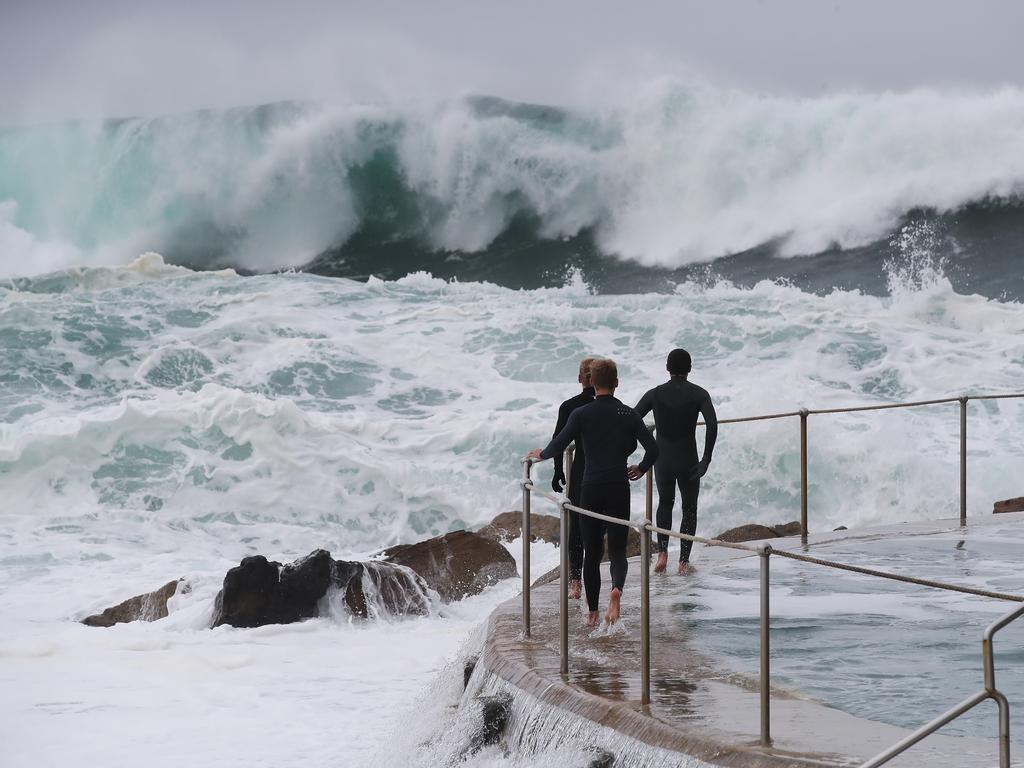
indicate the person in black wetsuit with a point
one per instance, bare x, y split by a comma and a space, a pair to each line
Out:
576, 477
676, 404
608, 430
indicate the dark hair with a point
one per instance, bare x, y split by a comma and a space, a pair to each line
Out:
679, 362
604, 374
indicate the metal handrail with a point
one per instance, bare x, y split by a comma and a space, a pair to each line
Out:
805, 412
764, 551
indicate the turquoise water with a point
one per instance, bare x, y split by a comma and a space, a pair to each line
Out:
878, 649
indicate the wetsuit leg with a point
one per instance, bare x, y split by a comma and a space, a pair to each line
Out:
575, 535
689, 490
593, 545
665, 479
617, 505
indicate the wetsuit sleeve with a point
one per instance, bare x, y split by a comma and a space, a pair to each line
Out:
711, 433
561, 441
646, 403
646, 439
563, 416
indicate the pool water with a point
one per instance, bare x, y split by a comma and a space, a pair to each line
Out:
879, 649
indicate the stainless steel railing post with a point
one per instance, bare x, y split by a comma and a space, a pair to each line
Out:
563, 603
527, 464
765, 552
645, 616
963, 461
803, 475
648, 512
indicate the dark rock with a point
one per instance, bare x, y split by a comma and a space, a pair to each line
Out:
467, 671
841, 528
750, 532
603, 759
788, 529
552, 575
395, 591
495, 712
259, 591
148, 607
456, 564
509, 525
1009, 505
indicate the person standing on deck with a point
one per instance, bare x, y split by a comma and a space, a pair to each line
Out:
576, 476
676, 404
608, 430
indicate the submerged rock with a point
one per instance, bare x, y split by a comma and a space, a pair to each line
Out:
457, 564
1009, 505
494, 716
148, 607
386, 589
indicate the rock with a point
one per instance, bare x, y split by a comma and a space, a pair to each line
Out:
467, 671
509, 525
841, 528
553, 575
494, 711
755, 531
148, 607
394, 591
788, 529
456, 564
750, 532
1009, 505
603, 759
259, 591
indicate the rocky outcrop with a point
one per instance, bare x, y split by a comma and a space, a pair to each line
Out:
457, 564
260, 591
754, 532
386, 589
1009, 505
148, 607
509, 525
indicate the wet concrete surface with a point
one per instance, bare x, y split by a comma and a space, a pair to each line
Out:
698, 707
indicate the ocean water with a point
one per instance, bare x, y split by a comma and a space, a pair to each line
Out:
164, 415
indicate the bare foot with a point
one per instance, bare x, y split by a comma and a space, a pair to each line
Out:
574, 589
659, 567
612, 614
685, 568
592, 619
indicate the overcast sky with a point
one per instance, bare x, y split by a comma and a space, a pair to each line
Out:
87, 58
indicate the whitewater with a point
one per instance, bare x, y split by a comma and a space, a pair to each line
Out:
274, 329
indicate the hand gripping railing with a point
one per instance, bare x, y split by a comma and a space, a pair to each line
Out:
764, 552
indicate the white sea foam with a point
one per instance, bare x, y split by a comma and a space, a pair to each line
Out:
168, 426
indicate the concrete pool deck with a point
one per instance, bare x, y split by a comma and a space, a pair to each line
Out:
698, 707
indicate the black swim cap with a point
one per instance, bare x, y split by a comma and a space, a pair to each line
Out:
679, 362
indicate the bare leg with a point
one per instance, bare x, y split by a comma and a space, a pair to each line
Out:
612, 614
685, 568
592, 619
574, 589
659, 567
